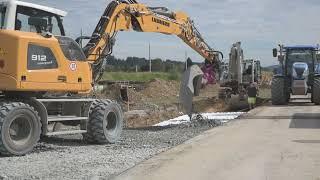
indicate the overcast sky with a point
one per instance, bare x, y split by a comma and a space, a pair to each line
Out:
259, 24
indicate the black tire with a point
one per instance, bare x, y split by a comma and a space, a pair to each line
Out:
316, 91
279, 95
20, 128
105, 123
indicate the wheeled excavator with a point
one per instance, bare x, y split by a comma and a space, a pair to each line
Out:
46, 77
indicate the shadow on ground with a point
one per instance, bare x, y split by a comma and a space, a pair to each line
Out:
305, 121
62, 141
264, 117
307, 141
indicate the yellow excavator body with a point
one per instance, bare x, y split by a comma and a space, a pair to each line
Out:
60, 73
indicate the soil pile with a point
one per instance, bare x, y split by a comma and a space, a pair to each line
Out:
158, 100
159, 88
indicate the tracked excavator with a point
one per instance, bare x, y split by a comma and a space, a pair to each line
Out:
46, 77
238, 74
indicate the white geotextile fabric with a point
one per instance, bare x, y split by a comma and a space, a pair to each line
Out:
223, 117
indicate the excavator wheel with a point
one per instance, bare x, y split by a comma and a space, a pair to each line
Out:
20, 128
316, 91
105, 122
279, 95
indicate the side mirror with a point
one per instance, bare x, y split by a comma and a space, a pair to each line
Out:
275, 52
38, 23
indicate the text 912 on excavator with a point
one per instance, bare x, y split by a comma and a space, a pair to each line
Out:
46, 77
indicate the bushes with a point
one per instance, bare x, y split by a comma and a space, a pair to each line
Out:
131, 64
141, 76
174, 76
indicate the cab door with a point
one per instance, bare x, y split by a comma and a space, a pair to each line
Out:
77, 69
43, 68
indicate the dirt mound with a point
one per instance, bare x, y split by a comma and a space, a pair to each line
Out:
161, 88
210, 105
157, 91
146, 118
135, 96
158, 100
266, 79
111, 92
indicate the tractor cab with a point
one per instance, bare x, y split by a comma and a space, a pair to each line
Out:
296, 58
300, 60
28, 17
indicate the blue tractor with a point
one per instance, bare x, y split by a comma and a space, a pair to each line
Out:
297, 74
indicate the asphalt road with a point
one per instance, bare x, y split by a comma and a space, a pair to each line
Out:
270, 143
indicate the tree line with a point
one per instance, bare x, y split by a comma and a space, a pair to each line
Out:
131, 64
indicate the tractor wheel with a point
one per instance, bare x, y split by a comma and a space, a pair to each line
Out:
316, 91
279, 96
105, 123
20, 128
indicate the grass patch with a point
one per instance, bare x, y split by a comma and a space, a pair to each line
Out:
140, 76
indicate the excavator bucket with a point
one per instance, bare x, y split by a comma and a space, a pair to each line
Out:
190, 86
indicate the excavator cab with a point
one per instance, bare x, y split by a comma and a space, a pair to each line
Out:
251, 71
241, 73
28, 17
39, 48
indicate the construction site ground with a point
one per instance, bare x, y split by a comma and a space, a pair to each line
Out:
69, 157
158, 100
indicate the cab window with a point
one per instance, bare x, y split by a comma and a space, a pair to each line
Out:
2, 15
35, 20
300, 55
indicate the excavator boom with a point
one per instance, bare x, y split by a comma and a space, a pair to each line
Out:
130, 15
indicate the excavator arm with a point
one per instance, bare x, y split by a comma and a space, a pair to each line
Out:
129, 15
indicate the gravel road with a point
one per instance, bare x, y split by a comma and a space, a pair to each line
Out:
68, 157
